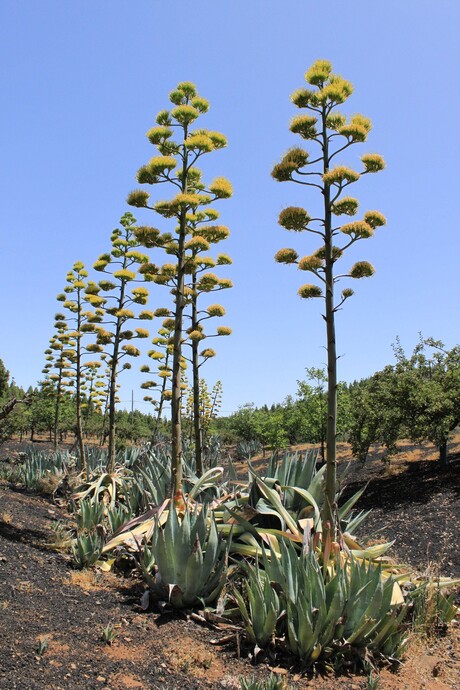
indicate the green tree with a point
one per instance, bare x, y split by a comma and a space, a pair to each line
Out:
13, 406
428, 391
194, 232
243, 422
327, 128
312, 396
374, 413
4, 378
113, 299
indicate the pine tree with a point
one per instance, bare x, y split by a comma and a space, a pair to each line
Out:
333, 133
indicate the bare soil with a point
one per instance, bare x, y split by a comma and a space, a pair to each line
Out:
415, 502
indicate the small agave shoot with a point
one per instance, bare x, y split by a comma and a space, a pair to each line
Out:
190, 559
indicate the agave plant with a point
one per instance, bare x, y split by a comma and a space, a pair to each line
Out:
190, 559
261, 613
102, 487
37, 464
89, 515
86, 549
273, 682
330, 611
245, 450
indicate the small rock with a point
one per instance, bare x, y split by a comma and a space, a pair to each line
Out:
101, 679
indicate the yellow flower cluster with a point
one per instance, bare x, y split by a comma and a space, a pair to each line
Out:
362, 269
357, 229
373, 162
308, 291
305, 125
124, 274
340, 174
124, 314
348, 206
215, 310
208, 353
131, 350
145, 314
319, 72
286, 256
310, 263
214, 233
185, 114
221, 188
138, 198
199, 142
294, 218
375, 218
197, 243
156, 135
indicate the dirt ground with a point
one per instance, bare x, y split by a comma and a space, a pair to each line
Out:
43, 600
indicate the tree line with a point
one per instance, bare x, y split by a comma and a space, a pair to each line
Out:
417, 397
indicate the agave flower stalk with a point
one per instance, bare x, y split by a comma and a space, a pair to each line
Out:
113, 299
333, 133
176, 166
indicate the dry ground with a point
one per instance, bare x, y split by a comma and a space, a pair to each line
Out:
42, 598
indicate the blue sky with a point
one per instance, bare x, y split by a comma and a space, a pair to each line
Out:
81, 84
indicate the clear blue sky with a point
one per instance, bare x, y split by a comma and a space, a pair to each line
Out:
81, 83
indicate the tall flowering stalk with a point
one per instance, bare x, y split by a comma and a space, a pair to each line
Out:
333, 133
73, 301
113, 299
194, 232
57, 370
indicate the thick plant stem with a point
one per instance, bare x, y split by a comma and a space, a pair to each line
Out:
330, 508
79, 423
113, 386
57, 405
196, 393
176, 421
111, 410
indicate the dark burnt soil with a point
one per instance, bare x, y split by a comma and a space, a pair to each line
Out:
419, 508
43, 598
